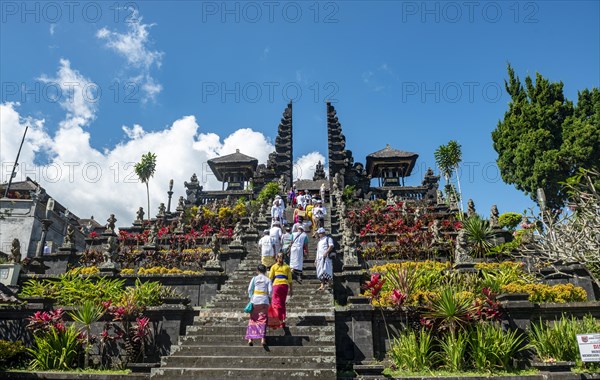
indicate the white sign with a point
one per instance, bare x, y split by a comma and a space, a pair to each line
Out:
589, 347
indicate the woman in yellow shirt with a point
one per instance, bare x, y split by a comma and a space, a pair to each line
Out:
281, 275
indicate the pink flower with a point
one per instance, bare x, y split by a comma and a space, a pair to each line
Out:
398, 298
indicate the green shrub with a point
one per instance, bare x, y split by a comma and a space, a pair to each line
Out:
493, 349
74, 290
557, 341
453, 349
509, 220
11, 353
542, 293
479, 234
413, 351
56, 349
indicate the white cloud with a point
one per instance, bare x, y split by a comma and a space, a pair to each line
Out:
78, 95
133, 45
304, 167
92, 182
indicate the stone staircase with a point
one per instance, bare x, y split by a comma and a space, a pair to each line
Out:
214, 346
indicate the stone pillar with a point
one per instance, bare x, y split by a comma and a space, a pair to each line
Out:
362, 329
46, 223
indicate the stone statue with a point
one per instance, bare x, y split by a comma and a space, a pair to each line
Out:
181, 204
471, 208
417, 213
237, 232
461, 253
110, 226
435, 231
440, 197
69, 239
494, 214
390, 199
252, 221
161, 210
282, 184
109, 250
215, 247
180, 229
193, 189
15, 252
152, 238
140, 215
262, 214
335, 186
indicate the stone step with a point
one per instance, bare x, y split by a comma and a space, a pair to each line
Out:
241, 373
272, 340
294, 309
300, 292
241, 330
257, 350
241, 319
250, 361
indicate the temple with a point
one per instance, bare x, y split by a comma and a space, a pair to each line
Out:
390, 166
236, 169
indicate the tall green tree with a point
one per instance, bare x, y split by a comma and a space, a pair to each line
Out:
543, 139
145, 170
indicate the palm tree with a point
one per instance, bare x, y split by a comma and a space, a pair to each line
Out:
455, 157
145, 170
448, 158
442, 159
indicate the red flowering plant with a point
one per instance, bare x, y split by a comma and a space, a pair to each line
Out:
129, 325
487, 308
397, 231
43, 321
374, 285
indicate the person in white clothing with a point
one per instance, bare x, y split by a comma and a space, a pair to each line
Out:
299, 249
260, 290
276, 234
322, 191
319, 213
267, 249
323, 262
277, 210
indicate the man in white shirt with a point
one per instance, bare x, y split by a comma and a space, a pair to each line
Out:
319, 213
276, 235
267, 249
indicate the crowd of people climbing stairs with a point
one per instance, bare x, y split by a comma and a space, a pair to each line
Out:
284, 247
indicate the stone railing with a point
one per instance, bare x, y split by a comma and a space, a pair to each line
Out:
207, 197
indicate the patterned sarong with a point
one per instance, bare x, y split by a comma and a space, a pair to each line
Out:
257, 325
267, 261
277, 312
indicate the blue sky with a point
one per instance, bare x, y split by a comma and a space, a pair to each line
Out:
411, 74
